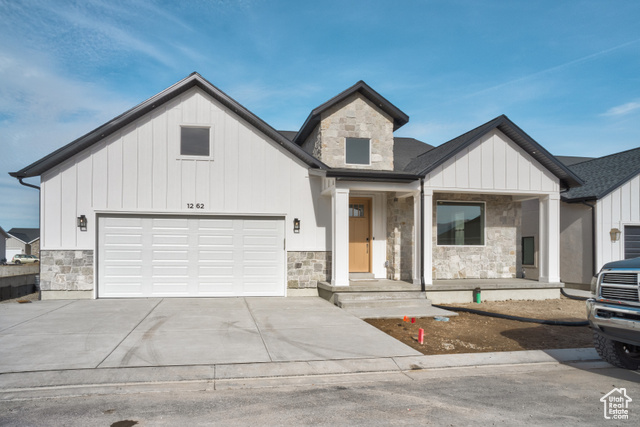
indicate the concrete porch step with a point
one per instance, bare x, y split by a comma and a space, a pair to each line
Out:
377, 296
404, 303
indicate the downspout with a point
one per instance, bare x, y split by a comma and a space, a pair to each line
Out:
593, 237
26, 184
422, 284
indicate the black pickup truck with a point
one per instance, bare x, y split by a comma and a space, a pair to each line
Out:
614, 313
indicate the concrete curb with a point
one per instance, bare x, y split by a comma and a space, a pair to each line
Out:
37, 384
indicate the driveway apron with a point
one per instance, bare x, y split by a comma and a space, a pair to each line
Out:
110, 333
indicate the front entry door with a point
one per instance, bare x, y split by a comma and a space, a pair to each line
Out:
359, 235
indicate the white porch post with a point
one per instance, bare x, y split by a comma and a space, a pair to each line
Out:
427, 214
549, 253
417, 215
340, 237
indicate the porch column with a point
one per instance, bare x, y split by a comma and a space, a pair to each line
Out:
417, 215
340, 237
427, 214
549, 253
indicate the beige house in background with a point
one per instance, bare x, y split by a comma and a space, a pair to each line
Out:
23, 241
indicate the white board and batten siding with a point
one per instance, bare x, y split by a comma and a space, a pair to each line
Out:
139, 171
617, 209
493, 164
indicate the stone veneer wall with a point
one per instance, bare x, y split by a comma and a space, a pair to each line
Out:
400, 236
355, 117
306, 269
62, 270
500, 257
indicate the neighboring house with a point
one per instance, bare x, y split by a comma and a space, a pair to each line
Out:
191, 194
3, 243
23, 241
600, 220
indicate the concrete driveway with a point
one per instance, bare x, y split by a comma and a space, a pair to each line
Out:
81, 334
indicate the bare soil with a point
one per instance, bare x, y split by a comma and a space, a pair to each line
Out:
29, 297
472, 333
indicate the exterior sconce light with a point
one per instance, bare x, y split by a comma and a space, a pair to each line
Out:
82, 223
296, 225
615, 234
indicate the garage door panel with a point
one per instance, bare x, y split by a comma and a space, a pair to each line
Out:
190, 256
123, 271
170, 240
121, 255
165, 255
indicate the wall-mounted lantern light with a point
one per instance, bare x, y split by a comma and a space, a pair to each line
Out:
82, 223
296, 225
615, 234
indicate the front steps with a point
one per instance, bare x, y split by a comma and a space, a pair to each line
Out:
381, 299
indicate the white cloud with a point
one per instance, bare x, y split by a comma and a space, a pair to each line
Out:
623, 109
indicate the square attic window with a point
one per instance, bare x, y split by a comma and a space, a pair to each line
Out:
357, 151
194, 141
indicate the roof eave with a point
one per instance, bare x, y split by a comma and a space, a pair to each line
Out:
398, 116
500, 123
193, 80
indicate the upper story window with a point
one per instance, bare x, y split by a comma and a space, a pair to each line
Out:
357, 151
195, 141
460, 223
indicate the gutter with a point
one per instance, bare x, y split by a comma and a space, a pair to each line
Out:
422, 283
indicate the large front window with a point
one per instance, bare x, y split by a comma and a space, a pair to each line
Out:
460, 223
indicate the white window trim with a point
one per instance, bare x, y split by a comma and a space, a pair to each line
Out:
484, 228
179, 145
345, 152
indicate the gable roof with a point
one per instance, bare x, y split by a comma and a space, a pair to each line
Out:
430, 160
399, 118
25, 235
193, 80
4, 233
407, 149
603, 175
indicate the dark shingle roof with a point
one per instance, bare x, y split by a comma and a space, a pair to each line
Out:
399, 118
603, 175
572, 160
430, 160
25, 235
407, 149
193, 80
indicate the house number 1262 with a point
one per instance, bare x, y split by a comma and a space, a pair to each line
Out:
196, 206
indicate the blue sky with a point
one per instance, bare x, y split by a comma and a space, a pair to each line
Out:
567, 72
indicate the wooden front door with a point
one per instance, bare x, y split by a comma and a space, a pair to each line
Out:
359, 235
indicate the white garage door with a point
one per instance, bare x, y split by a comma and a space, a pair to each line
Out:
154, 256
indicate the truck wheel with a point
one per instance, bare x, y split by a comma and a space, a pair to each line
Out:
619, 354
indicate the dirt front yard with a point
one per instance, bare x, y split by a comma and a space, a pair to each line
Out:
472, 333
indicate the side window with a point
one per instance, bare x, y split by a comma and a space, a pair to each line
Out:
528, 251
357, 151
195, 141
